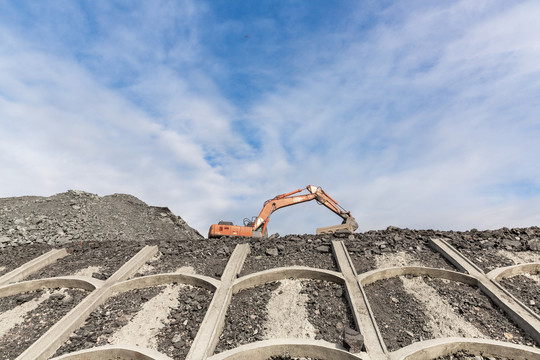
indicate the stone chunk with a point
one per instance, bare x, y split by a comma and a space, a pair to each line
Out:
353, 340
272, 252
534, 244
323, 249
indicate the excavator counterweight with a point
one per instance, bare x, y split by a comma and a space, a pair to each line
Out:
257, 227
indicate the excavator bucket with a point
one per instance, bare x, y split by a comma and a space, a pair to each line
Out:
350, 225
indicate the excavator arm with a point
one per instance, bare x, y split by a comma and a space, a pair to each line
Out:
258, 227
315, 193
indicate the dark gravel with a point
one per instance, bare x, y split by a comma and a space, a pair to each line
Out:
308, 250
524, 289
246, 316
10, 302
13, 257
482, 246
207, 256
465, 355
399, 316
38, 321
328, 310
177, 337
80, 216
109, 255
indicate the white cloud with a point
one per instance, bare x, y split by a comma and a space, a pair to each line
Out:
424, 120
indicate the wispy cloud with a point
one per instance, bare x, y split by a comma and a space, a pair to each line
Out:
421, 116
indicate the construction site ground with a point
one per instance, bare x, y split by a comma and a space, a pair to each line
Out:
132, 281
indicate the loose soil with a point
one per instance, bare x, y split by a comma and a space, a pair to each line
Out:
479, 310
207, 256
400, 316
164, 318
525, 288
411, 309
308, 250
247, 316
55, 305
109, 256
13, 257
328, 310
465, 355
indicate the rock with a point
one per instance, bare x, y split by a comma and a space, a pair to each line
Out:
512, 243
323, 249
272, 252
353, 340
534, 244
179, 344
57, 296
508, 336
4, 240
23, 298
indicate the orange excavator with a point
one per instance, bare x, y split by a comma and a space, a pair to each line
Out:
256, 227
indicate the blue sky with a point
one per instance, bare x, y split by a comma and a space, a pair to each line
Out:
415, 114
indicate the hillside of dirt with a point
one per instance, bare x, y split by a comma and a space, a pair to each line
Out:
81, 216
103, 233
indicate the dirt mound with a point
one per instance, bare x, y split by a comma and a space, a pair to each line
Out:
101, 234
81, 216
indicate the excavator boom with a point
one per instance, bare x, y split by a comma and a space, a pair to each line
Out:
257, 228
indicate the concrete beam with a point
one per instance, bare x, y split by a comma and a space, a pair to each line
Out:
455, 257
207, 337
363, 316
33, 266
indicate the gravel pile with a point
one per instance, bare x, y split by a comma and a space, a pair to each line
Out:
81, 216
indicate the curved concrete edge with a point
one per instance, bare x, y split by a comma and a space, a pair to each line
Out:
295, 272
114, 352
381, 274
509, 271
262, 350
51, 283
202, 281
431, 349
